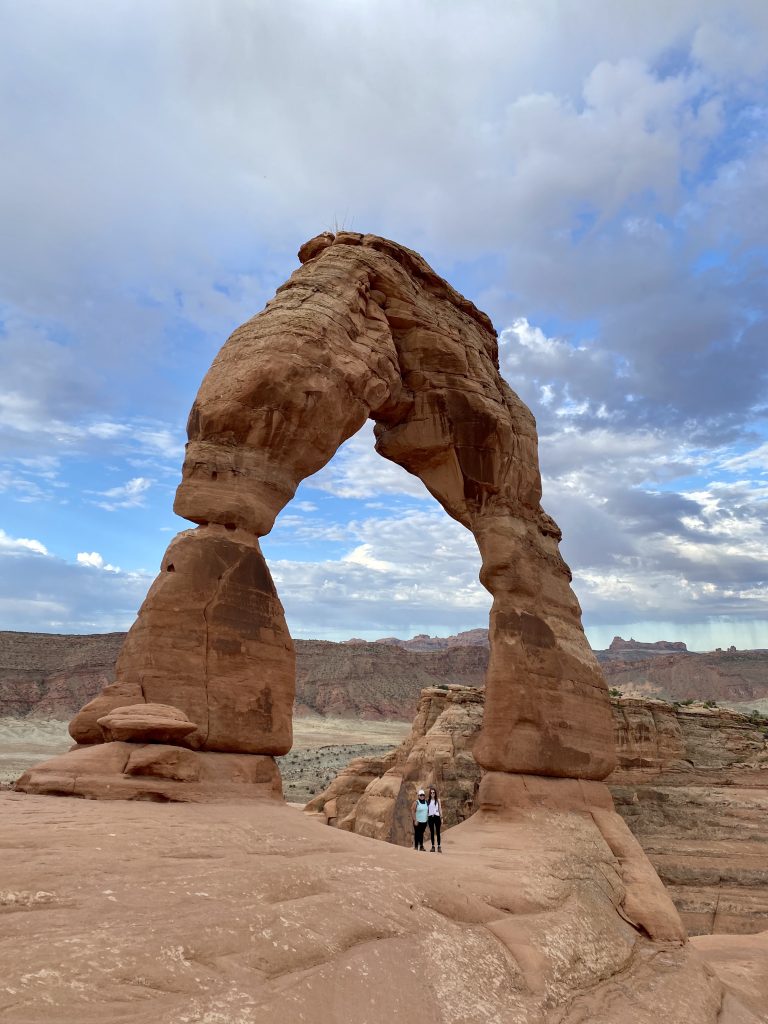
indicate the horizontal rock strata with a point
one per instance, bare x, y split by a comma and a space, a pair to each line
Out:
52, 675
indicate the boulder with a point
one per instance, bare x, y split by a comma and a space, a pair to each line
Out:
147, 723
84, 727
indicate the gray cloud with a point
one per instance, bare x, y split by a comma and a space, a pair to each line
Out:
41, 593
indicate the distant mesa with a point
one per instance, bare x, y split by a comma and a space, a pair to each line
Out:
618, 644
423, 642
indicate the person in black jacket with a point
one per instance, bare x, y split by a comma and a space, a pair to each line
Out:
434, 818
419, 816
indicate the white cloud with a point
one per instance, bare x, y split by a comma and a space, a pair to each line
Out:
407, 573
358, 471
12, 545
611, 179
95, 561
129, 495
55, 596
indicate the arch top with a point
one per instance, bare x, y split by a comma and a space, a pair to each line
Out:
365, 328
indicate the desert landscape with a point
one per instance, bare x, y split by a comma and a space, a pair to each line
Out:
219, 901
384, 471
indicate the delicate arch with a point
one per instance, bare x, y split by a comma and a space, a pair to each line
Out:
363, 329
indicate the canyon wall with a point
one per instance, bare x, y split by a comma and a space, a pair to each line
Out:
51, 675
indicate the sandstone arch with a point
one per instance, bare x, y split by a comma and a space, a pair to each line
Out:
363, 329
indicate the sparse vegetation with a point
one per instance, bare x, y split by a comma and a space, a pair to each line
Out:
614, 692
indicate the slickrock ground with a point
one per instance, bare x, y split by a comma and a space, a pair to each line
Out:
139, 913
741, 962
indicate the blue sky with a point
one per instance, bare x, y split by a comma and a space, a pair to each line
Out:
592, 174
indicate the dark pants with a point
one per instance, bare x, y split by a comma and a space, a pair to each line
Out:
418, 835
434, 827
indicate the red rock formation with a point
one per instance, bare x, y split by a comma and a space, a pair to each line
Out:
617, 644
422, 642
364, 329
155, 772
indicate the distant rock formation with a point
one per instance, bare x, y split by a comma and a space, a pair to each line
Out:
617, 644
376, 680
51, 676
422, 642
340, 680
691, 782
733, 677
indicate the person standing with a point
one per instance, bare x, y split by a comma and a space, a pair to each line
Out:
434, 818
419, 813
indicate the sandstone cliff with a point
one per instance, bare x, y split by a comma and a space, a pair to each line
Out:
733, 676
51, 675
377, 680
